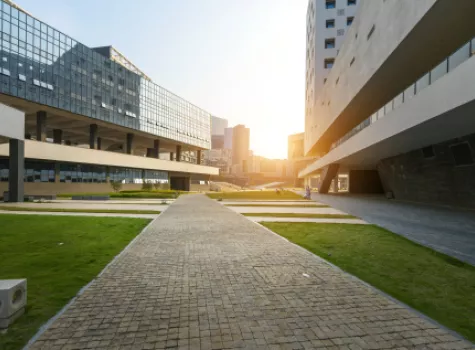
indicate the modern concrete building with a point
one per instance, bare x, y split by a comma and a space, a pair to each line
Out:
90, 116
328, 22
240, 148
396, 112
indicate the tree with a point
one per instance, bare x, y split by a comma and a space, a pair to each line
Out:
116, 185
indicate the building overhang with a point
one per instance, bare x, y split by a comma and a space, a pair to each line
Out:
441, 112
55, 152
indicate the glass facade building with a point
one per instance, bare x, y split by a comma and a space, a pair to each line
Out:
40, 64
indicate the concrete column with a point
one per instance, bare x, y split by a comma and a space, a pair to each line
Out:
41, 126
171, 155
156, 148
17, 171
57, 136
57, 172
99, 143
198, 156
93, 136
335, 184
178, 153
130, 143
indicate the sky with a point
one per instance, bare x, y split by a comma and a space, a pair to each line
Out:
243, 60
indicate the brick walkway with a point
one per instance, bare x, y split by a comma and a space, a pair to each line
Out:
204, 277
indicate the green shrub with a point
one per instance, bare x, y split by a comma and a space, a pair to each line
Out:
147, 186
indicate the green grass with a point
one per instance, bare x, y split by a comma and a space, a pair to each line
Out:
128, 194
267, 195
283, 205
435, 284
58, 210
302, 215
30, 248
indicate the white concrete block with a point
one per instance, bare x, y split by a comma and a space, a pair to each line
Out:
12, 300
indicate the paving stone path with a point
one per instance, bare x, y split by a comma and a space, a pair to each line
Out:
204, 277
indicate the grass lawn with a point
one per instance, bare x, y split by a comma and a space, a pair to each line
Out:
58, 210
283, 205
30, 248
303, 215
267, 195
435, 284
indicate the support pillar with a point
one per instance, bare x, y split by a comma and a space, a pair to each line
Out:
57, 172
130, 143
335, 184
178, 153
41, 126
17, 171
198, 156
99, 143
57, 136
171, 155
93, 136
156, 148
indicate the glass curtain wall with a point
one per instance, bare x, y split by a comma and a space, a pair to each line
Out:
43, 65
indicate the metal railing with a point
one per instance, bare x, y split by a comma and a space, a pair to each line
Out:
443, 68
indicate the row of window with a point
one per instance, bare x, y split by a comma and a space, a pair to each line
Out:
331, 4
39, 171
330, 23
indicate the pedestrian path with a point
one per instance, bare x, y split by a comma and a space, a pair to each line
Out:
204, 277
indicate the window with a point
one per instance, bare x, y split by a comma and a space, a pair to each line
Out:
349, 21
330, 4
329, 63
428, 152
329, 43
351, 2
340, 32
462, 154
330, 23
371, 31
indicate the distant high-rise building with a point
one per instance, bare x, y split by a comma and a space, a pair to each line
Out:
218, 125
228, 138
327, 24
217, 141
240, 145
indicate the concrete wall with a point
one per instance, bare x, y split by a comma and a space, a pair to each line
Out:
45, 188
62, 153
435, 180
12, 122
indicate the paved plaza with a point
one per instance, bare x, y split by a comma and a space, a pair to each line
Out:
204, 277
447, 230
